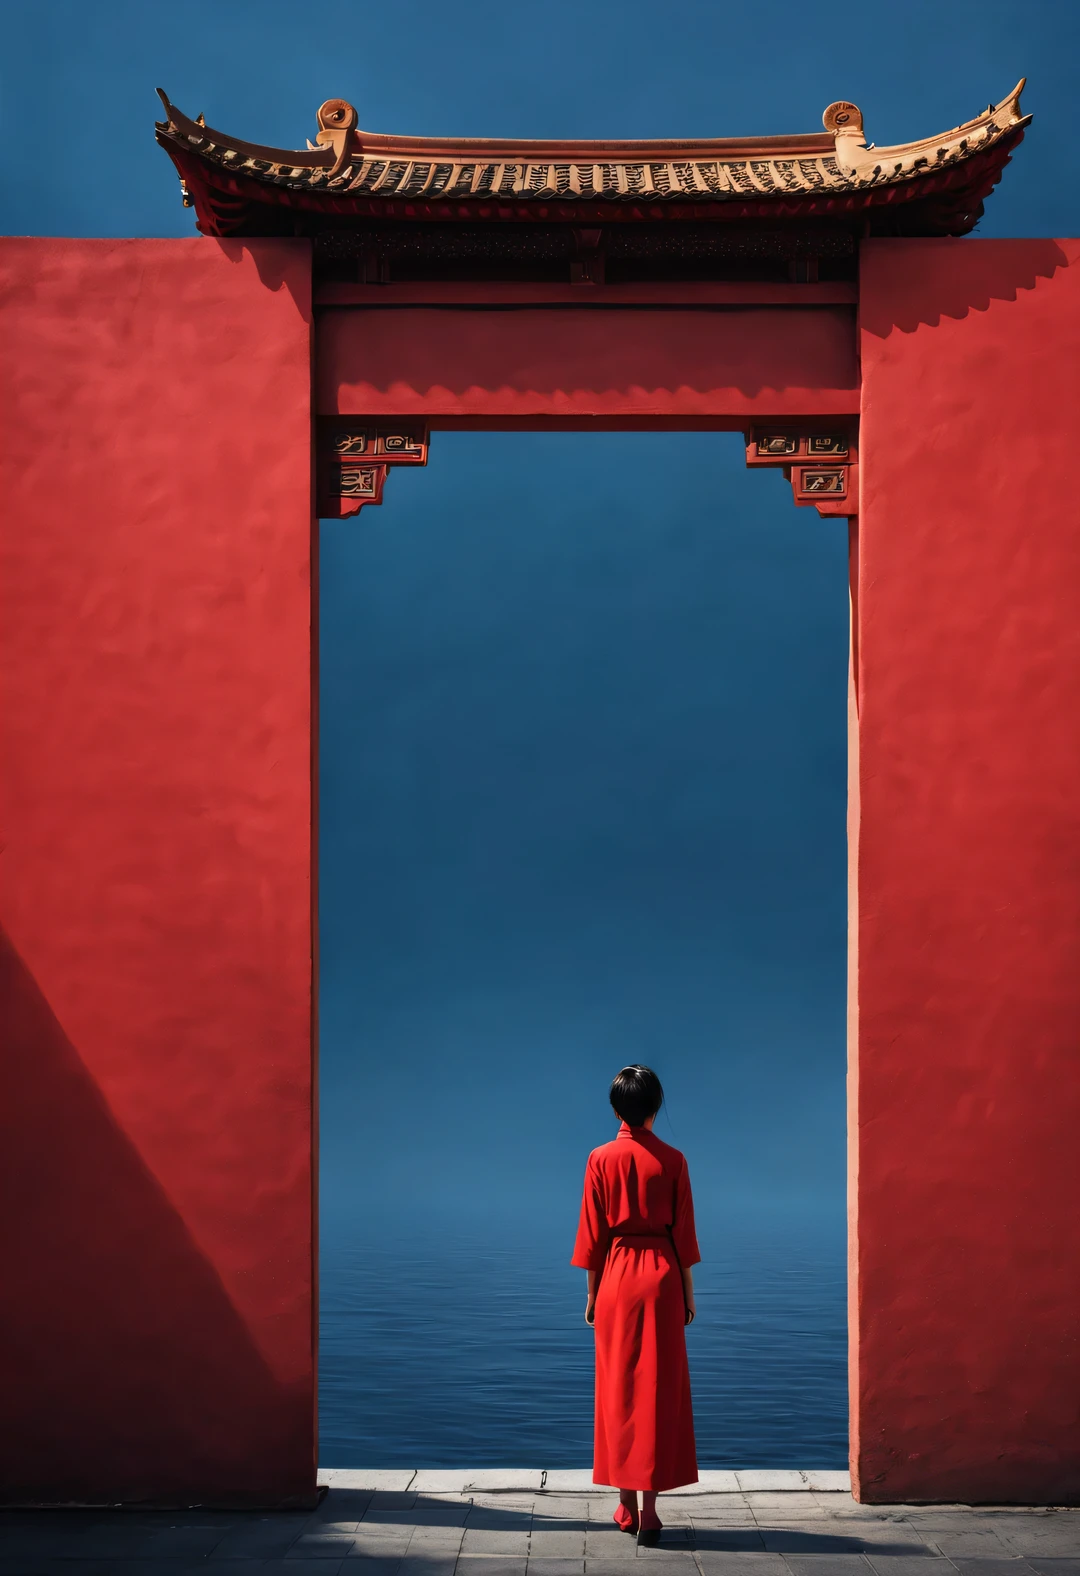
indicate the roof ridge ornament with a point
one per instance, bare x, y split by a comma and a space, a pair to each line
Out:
337, 120
845, 122
868, 165
843, 119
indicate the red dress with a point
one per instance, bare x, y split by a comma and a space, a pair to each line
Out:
636, 1214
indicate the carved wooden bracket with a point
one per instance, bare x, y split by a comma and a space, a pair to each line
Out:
353, 457
822, 465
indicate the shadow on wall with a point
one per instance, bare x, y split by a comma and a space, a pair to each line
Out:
98, 1264
275, 259
574, 361
917, 283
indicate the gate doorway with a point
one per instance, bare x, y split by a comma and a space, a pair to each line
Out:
582, 801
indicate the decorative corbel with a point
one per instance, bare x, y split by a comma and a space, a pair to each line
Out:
353, 457
822, 464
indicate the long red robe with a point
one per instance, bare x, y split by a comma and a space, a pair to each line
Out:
637, 1214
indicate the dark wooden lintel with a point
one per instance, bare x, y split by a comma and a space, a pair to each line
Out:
499, 293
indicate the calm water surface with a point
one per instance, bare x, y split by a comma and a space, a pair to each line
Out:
472, 1351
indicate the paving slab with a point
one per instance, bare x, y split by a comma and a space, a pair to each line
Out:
258, 1542
432, 1564
801, 1518
555, 1567
477, 1565
606, 1542
729, 1540
613, 1567
499, 1504
390, 1479
908, 1564
378, 1529
842, 1506
192, 1539
969, 1545
435, 1540
709, 1483
285, 1567
794, 1541
790, 1502
753, 1481
499, 1478
503, 1518
566, 1515
994, 1568
568, 1481
488, 1540
899, 1537
343, 1502
373, 1548
716, 1563
430, 1482
828, 1565
320, 1545
1039, 1537
548, 1543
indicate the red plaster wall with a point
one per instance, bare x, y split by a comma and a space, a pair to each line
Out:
572, 363
156, 1142
965, 1149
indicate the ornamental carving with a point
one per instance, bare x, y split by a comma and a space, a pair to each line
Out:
822, 466
353, 459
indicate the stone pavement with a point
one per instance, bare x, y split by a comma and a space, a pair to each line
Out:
548, 1524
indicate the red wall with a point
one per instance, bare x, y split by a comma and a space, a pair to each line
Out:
156, 1142
572, 363
966, 1111
156, 1114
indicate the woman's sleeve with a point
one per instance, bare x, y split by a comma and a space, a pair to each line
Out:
686, 1244
590, 1249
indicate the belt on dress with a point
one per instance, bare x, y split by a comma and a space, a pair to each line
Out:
654, 1236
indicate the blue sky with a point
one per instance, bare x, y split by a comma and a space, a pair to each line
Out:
583, 698
78, 83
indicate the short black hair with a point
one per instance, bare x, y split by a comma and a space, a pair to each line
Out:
636, 1094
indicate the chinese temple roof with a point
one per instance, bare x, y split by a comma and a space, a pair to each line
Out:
349, 179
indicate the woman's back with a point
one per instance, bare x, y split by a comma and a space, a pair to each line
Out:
635, 1185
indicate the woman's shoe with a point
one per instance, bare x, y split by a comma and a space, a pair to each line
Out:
626, 1519
649, 1537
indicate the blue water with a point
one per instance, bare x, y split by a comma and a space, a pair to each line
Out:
462, 1350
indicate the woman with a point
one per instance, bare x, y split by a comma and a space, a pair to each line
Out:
636, 1239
